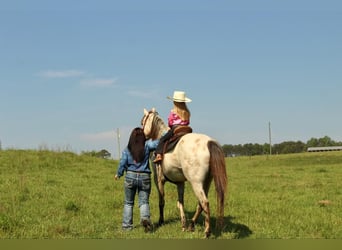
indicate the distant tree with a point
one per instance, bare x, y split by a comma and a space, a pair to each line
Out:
103, 154
288, 147
266, 148
313, 142
238, 150
253, 149
100, 154
325, 141
246, 149
228, 150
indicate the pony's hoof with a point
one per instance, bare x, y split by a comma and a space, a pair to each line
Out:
191, 227
160, 222
207, 235
148, 226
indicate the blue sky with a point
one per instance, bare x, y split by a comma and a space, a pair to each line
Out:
73, 72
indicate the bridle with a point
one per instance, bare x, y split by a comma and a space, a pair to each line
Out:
145, 118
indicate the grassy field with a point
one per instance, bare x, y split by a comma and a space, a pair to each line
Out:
59, 195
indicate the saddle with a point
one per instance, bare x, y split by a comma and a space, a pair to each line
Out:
178, 132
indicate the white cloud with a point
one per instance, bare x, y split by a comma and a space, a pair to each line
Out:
85, 79
99, 82
61, 73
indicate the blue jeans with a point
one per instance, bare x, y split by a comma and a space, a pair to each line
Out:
141, 183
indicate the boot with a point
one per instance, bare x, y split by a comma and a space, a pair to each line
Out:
158, 158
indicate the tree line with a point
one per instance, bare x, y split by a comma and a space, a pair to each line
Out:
286, 147
250, 149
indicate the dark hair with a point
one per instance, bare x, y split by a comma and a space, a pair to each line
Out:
136, 144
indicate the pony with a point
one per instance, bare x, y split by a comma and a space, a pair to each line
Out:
196, 158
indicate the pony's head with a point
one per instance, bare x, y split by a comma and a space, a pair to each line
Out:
152, 124
147, 121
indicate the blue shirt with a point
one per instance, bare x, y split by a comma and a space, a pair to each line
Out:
128, 164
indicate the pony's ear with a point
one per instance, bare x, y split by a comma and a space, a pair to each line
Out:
153, 110
145, 112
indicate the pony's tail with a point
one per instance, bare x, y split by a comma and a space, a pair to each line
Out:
218, 170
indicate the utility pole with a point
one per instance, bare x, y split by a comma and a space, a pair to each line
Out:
118, 138
269, 135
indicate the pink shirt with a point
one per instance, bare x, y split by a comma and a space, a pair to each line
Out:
174, 119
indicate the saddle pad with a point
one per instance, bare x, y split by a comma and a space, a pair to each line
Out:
177, 135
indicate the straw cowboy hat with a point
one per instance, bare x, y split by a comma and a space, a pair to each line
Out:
179, 96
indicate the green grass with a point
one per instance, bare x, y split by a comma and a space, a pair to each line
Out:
279, 196
59, 195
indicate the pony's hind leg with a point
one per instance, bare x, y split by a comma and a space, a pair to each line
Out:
201, 192
205, 206
195, 217
180, 204
202, 206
